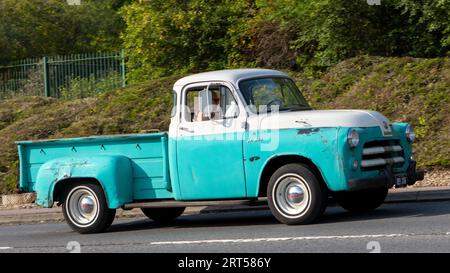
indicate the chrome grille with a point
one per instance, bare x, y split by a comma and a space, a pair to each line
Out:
377, 154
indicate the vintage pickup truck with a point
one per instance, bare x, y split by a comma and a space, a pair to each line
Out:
241, 136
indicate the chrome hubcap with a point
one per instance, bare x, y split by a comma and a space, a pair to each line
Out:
87, 205
292, 195
82, 206
295, 194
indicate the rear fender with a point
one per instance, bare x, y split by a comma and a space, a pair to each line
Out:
114, 173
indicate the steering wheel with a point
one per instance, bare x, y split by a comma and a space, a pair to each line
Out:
274, 101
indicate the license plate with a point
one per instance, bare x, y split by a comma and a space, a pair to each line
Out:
400, 180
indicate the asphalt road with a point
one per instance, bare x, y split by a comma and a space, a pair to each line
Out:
401, 227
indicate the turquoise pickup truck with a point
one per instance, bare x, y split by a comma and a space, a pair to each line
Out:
236, 137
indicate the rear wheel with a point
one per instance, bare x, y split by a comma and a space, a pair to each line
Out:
361, 201
295, 195
85, 208
163, 215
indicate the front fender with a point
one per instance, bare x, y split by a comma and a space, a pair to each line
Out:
318, 146
113, 172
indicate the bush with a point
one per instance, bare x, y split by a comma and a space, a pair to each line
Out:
33, 28
329, 31
165, 37
272, 46
89, 87
177, 36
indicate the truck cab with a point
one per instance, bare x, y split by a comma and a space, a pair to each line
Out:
238, 136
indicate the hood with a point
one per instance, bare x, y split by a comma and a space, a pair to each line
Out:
326, 118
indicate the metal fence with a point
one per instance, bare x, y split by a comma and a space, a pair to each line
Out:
68, 76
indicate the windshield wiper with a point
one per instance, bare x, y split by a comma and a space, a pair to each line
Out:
295, 108
290, 108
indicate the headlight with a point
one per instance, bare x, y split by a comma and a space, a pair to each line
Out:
353, 138
410, 135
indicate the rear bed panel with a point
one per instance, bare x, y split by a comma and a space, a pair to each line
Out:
147, 152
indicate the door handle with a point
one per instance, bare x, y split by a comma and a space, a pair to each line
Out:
186, 129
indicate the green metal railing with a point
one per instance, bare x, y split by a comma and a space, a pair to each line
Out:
74, 76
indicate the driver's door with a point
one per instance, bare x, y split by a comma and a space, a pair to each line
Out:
209, 150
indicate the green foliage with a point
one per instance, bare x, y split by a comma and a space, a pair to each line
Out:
11, 178
426, 32
172, 37
329, 31
110, 4
422, 127
90, 86
164, 37
32, 28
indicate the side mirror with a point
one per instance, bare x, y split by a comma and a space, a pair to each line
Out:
232, 111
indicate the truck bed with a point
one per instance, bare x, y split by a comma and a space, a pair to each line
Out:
147, 153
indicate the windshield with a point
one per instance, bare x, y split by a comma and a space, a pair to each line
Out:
265, 94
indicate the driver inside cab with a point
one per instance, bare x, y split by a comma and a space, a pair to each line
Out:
214, 108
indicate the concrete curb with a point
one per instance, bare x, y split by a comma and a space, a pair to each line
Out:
44, 215
418, 194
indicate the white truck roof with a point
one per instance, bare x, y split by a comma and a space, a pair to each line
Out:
229, 75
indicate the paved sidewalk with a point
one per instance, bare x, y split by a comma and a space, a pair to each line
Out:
42, 215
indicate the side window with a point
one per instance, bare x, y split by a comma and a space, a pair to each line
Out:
216, 104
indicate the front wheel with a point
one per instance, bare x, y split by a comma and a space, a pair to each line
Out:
85, 209
361, 201
295, 195
163, 215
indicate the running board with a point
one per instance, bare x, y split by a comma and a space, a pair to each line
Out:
173, 203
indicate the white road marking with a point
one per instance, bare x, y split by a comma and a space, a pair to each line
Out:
255, 240
5, 247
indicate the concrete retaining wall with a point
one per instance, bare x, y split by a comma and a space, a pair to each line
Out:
18, 199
